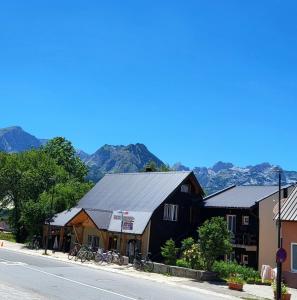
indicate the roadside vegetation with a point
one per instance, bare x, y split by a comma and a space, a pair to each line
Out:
36, 184
205, 254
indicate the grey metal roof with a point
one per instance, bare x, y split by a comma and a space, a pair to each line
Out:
132, 191
240, 196
289, 209
100, 217
63, 218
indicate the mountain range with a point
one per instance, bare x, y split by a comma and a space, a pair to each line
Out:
134, 157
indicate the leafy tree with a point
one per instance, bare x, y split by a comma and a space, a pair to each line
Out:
169, 252
215, 240
62, 151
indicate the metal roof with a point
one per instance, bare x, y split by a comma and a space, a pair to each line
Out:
63, 218
100, 217
132, 191
136, 194
240, 196
289, 210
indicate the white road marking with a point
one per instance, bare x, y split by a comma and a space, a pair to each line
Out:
8, 262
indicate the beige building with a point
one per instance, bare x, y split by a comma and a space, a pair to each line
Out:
268, 228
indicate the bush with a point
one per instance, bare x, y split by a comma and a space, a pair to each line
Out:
169, 252
182, 263
215, 240
227, 269
193, 257
187, 243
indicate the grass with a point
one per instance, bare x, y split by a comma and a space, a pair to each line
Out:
7, 236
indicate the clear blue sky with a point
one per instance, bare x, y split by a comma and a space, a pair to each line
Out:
196, 81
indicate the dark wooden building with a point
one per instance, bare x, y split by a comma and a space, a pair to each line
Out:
136, 212
248, 211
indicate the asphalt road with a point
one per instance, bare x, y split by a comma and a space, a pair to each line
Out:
31, 277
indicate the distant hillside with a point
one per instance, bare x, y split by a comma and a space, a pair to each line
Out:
15, 139
134, 157
131, 158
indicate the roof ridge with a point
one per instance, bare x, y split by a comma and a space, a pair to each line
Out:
219, 192
142, 173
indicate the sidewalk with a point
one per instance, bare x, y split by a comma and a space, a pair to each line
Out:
250, 291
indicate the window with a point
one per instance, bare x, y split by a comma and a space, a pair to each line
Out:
170, 212
185, 188
285, 192
294, 257
245, 220
245, 259
230, 257
93, 241
231, 223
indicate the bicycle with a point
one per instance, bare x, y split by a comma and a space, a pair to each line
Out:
73, 252
87, 254
117, 258
101, 257
143, 264
34, 243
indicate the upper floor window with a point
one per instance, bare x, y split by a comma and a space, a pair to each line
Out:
285, 192
170, 212
185, 188
294, 257
245, 220
231, 223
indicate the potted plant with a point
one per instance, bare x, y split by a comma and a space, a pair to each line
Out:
235, 282
284, 291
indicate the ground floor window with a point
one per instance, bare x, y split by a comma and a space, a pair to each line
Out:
294, 257
113, 243
93, 241
245, 259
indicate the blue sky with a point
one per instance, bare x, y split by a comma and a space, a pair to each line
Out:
196, 81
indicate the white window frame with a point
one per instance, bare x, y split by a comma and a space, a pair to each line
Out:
245, 259
185, 188
170, 212
230, 257
233, 230
292, 269
245, 220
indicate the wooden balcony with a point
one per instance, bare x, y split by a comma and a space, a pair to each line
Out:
245, 240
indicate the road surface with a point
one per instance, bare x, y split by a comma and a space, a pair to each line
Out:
31, 277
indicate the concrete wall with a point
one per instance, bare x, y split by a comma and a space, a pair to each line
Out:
268, 231
289, 233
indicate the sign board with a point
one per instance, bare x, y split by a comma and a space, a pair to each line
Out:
281, 255
127, 220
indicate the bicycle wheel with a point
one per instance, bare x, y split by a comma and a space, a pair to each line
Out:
71, 254
83, 257
121, 260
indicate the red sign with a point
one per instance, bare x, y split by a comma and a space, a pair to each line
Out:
281, 255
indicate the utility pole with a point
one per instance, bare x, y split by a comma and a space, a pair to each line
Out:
279, 242
52, 180
122, 216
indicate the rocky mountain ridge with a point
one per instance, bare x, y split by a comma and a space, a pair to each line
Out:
134, 157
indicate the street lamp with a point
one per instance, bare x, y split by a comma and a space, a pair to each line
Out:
52, 181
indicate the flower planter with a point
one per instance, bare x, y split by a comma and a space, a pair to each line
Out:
235, 286
284, 296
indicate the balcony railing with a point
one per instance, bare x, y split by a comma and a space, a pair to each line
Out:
245, 239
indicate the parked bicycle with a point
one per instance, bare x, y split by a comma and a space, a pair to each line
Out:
35, 242
73, 252
102, 257
117, 258
143, 264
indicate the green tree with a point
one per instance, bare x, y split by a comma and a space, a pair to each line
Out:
23, 177
187, 243
62, 151
169, 252
215, 240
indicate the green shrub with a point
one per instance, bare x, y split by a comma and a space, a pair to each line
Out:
193, 257
169, 252
182, 263
187, 243
227, 269
7, 236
